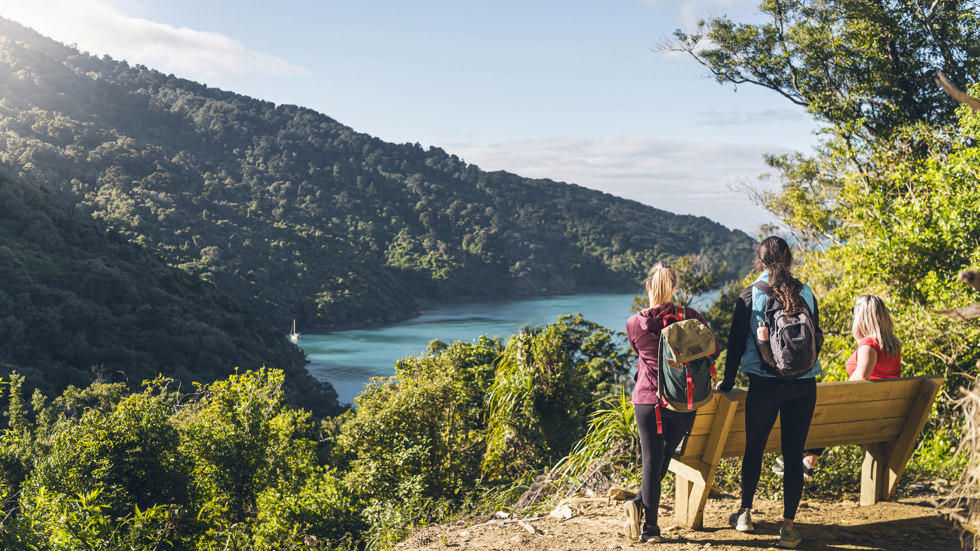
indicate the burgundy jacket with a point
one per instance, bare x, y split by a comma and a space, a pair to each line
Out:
643, 331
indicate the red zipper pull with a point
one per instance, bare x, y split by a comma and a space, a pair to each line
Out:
690, 391
660, 429
714, 381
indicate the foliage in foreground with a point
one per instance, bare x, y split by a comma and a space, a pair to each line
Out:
231, 466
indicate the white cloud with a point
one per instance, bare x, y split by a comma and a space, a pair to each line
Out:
680, 177
100, 28
730, 118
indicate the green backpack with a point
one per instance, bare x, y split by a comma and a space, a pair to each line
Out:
686, 367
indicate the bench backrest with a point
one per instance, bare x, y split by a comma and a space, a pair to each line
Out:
849, 412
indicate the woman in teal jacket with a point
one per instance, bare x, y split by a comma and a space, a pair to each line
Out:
793, 400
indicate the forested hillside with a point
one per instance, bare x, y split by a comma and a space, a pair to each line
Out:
300, 216
80, 303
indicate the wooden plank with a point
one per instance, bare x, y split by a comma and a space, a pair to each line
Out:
831, 413
693, 471
873, 474
719, 431
697, 499
833, 434
694, 449
905, 445
682, 500
695, 476
839, 392
867, 391
711, 407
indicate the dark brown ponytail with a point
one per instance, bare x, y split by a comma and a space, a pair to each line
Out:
774, 255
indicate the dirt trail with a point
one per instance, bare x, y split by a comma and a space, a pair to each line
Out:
906, 523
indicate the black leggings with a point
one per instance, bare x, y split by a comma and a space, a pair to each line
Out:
656, 450
794, 402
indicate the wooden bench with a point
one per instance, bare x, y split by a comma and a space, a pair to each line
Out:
885, 417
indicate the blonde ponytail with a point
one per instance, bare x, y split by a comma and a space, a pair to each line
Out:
660, 284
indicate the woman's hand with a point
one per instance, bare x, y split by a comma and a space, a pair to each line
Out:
762, 332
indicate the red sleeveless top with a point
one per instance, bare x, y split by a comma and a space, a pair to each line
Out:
887, 367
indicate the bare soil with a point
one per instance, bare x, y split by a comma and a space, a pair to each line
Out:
906, 523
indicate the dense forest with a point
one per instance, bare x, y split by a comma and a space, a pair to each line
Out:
80, 303
299, 216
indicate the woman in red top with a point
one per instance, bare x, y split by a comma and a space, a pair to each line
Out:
878, 355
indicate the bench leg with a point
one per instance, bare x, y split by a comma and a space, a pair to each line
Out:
901, 451
698, 498
694, 481
690, 497
873, 476
682, 501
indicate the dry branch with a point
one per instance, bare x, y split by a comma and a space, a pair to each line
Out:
965, 313
956, 93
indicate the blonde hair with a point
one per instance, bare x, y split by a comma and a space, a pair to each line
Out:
660, 284
872, 319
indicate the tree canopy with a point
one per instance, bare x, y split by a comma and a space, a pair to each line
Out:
866, 68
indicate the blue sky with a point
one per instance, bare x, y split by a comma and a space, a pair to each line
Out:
566, 90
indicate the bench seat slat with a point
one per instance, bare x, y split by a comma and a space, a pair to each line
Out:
841, 392
843, 433
833, 413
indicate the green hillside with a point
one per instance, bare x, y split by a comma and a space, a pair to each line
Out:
300, 216
79, 303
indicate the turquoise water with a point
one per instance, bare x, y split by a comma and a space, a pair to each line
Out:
349, 358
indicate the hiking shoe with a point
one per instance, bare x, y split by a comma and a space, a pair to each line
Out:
807, 470
780, 467
632, 525
741, 522
651, 534
789, 538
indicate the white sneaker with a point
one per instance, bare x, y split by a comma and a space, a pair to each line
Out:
741, 522
632, 525
789, 538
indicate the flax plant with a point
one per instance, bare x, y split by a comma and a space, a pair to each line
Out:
607, 428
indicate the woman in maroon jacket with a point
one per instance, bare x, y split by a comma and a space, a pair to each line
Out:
661, 429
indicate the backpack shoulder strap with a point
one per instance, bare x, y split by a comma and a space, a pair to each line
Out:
680, 313
764, 287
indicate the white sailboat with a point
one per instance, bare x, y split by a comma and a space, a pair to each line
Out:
293, 335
